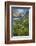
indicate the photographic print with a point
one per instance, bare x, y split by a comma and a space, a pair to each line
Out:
19, 22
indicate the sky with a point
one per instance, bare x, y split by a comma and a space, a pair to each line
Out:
20, 10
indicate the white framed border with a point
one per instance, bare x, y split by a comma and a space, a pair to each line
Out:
30, 24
